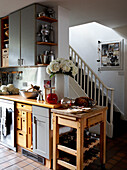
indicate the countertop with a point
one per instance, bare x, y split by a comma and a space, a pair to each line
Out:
79, 114
18, 98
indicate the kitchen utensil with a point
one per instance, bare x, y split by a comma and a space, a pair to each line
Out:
41, 14
28, 95
51, 34
52, 98
51, 56
7, 33
6, 45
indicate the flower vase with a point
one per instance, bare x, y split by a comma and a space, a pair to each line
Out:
59, 86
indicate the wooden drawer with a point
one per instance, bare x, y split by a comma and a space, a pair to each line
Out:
24, 114
4, 61
22, 138
7, 60
19, 123
29, 130
24, 125
94, 120
24, 106
19, 112
5, 51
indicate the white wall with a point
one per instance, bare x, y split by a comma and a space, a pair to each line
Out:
63, 32
84, 39
123, 32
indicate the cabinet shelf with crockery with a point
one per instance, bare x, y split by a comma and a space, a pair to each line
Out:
46, 39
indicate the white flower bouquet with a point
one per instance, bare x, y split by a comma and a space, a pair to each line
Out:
62, 66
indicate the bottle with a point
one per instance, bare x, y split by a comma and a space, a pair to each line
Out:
51, 36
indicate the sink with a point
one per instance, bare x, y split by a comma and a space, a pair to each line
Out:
28, 95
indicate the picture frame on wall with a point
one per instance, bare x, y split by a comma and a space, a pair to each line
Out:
111, 55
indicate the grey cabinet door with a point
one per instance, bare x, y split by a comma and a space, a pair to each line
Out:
0, 42
14, 39
28, 35
40, 132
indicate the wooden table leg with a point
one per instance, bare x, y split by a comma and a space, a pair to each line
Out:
55, 141
103, 141
80, 141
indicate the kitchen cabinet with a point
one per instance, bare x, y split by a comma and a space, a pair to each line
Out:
4, 40
28, 36
41, 131
23, 26
22, 37
0, 43
14, 38
24, 125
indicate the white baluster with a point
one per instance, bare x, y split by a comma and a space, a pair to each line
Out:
107, 98
99, 94
87, 81
95, 89
78, 71
84, 77
91, 85
102, 95
81, 75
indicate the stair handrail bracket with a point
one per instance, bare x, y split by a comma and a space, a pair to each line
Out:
92, 85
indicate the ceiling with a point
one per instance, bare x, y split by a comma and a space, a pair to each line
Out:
112, 13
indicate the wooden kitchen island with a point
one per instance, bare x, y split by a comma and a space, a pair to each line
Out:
80, 121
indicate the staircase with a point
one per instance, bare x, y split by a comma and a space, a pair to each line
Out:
94, 88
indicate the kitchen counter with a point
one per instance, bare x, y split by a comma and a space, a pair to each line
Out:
18, 98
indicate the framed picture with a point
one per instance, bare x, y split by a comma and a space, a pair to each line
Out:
110, 55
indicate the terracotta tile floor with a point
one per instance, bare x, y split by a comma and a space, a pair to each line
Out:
10, 160
116, 157
116, 154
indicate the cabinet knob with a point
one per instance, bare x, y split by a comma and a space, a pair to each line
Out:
34, 120
22, 61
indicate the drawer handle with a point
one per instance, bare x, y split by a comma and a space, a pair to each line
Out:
22, 106
23, 113
21, 134
18, 118
23, 120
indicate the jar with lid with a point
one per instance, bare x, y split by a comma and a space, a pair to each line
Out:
46, 33
45, 57
51, 56
43, 33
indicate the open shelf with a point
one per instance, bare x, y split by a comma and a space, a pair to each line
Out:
42, 65
67, 150
6, 40
66, 164
89, 161
47, 19
46, 43
91, 145
6, 28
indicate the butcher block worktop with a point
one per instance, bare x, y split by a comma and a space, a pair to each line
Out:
18, 98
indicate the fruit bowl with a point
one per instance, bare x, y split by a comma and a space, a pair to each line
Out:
28, 95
